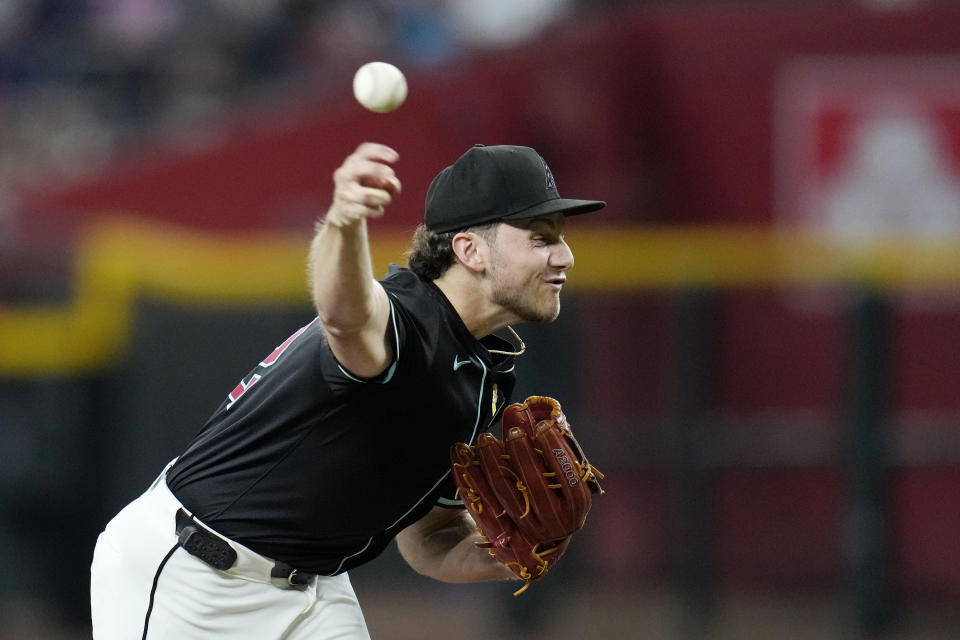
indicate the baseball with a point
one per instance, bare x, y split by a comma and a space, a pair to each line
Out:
380, 87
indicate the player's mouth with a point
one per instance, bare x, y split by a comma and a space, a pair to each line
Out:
556, 283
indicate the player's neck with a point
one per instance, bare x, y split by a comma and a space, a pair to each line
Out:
467, 293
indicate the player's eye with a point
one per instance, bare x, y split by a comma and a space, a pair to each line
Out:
545, 239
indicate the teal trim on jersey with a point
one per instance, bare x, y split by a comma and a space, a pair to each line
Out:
385, 377
349, 375
447, 502
441, 500
396, 342
352, 555
476, 424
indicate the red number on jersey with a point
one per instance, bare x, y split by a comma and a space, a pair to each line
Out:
270, 359
241, 388
245, 384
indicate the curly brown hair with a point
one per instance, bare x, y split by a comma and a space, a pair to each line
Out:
432, 253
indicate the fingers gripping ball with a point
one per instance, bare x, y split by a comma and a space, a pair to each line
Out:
530, 491
380, 87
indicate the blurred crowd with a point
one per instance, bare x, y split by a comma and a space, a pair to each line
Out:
80, 79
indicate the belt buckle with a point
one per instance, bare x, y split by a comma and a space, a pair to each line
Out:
292, 579
292, 576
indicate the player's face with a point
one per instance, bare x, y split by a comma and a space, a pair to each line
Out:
528, 267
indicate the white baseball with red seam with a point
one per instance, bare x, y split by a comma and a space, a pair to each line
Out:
380, 87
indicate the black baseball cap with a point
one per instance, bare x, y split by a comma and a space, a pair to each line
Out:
489, 184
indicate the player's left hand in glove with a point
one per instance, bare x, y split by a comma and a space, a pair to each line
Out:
528, 492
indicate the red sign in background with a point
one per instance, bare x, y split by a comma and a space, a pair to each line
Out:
894, 120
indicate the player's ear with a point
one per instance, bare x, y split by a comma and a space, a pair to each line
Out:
471, 250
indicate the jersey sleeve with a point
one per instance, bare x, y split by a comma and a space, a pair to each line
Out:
411, 314
335, 372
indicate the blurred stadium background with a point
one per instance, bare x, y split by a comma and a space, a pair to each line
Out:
760, 346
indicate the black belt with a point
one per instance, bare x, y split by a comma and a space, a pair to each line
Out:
214, 550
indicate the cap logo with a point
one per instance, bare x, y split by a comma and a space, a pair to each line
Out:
550, 183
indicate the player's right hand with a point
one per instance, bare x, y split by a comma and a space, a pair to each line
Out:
363, 185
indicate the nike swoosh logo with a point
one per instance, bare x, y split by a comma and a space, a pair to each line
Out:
457, 363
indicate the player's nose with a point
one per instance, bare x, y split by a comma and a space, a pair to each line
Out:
562, 256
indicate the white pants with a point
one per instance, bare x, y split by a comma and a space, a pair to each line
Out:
145, 586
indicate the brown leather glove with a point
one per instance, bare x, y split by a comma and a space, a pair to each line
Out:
529, 492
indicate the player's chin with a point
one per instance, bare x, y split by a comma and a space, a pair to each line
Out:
552, 309
538, 307
548, 311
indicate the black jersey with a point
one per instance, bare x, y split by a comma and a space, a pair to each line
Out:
306, 463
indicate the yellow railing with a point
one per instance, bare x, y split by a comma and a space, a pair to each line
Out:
121, 259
